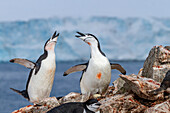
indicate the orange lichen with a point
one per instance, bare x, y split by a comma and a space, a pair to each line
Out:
98, 76
153, 82
137, 101
157, 66
140, 83
131, 100
29, 105
150, 81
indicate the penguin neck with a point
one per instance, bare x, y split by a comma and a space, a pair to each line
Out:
92, 110
96, 51
50, 54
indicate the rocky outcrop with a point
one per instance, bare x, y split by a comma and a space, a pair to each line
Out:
122, 103
157, 63
128, 94
43, 106
141, 86
160, 108
136, 99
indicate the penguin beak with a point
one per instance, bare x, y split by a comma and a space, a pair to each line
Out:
81, 36
54, 37
98, 104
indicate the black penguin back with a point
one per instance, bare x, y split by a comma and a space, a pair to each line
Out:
72, 107
166, 81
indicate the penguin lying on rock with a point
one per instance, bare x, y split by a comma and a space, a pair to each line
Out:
90, 106
41, 77
96, 74
164, 87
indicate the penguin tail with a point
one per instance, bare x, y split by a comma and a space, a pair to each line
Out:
59, 97
23, 93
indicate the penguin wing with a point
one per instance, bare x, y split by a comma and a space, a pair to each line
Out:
27, 63
75, 68
118, 67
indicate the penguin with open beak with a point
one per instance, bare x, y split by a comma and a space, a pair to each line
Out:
41, 76
96, 74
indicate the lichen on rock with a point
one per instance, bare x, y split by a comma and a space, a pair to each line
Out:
157, 63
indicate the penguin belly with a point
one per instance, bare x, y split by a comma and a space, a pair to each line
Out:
40, 85
96, 78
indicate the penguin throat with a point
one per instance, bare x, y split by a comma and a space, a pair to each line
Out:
92, 108
50, 46
96, 52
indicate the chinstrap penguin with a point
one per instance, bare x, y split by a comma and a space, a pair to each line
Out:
164, 87
41, 76
90, 106
96, 74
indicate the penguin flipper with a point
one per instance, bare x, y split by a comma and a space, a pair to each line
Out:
118, 67
75, 68
23, 93
27, 63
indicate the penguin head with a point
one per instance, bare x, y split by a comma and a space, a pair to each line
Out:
50, 44
92, 105
90, 39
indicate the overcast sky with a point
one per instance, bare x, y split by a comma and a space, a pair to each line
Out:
12, 10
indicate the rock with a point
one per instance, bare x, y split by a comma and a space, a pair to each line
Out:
129, 93
157, 63
159, 108
73, 97
45, 105
141, 85
119, 86
164, 87
133, 101
122, 103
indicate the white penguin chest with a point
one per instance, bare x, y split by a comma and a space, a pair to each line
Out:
40, 85
98, 68
98, 73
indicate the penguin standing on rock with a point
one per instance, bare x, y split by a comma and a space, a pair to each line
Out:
90, 106
41, 77
96, 74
